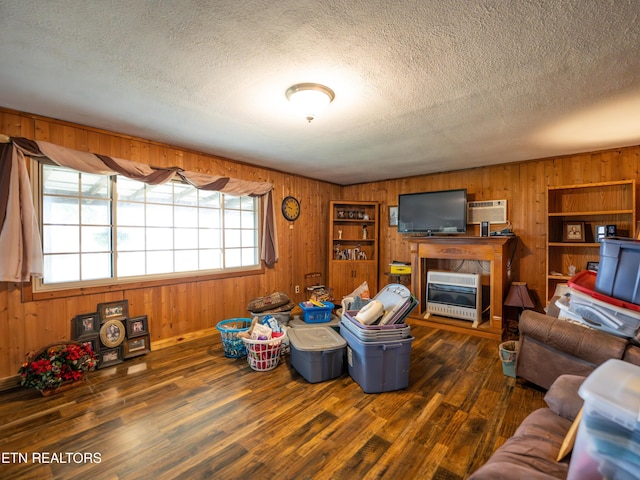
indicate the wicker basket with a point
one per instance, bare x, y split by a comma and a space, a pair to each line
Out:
263, 355
233, 346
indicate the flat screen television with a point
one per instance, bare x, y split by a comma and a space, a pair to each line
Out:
433, 213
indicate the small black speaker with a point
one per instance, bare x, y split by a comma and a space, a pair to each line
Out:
484, 229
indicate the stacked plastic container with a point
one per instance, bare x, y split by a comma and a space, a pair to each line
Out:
608, 300
315, 314
378, 355
600, 311
317, 353
619, 269
608, 441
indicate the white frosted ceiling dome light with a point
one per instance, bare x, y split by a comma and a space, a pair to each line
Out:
309, 98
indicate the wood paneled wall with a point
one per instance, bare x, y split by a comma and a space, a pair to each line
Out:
177, 310
524, 186
180, 310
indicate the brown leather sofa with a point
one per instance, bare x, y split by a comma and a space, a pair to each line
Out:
556, 355
532, 450
550, 347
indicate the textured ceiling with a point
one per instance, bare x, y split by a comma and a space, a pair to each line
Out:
421, 86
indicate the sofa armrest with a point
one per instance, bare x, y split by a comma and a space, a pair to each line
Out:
632, 355
550, 347
562, 397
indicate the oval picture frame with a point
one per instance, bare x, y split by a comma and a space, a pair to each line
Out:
112, 333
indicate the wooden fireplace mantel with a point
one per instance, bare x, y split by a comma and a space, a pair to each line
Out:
494, 250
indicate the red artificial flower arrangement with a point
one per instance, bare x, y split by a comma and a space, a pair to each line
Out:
56, 364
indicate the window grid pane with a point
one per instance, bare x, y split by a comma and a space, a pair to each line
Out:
76, 218
157, 229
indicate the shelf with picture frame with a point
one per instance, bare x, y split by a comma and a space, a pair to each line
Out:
575, 214
353, 246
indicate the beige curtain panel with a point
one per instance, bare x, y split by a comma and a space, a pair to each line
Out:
20, 242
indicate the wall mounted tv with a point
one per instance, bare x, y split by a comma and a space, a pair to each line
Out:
433, 213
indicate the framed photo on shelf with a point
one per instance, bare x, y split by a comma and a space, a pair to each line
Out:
111, 356
573, 232
592, 266
113, 310
393, 216
137, 326
134, 347
86, 325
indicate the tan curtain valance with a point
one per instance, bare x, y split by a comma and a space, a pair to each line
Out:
20, 244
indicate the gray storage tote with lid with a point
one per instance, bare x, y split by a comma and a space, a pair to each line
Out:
317, 353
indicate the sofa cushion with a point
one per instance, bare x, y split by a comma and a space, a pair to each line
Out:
268, 302
531, 452
562, 397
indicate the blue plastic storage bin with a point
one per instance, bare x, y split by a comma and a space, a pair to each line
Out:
317, 353
619, 269
315, 314
378, 366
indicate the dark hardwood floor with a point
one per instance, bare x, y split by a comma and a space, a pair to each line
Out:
189, 412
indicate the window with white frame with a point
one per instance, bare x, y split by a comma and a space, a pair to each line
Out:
103, 229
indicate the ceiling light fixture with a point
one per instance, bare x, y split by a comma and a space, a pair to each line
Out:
309, 98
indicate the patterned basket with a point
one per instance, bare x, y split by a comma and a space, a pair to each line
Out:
263, 355
233, 346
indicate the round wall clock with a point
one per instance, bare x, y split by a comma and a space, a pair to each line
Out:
290, 208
